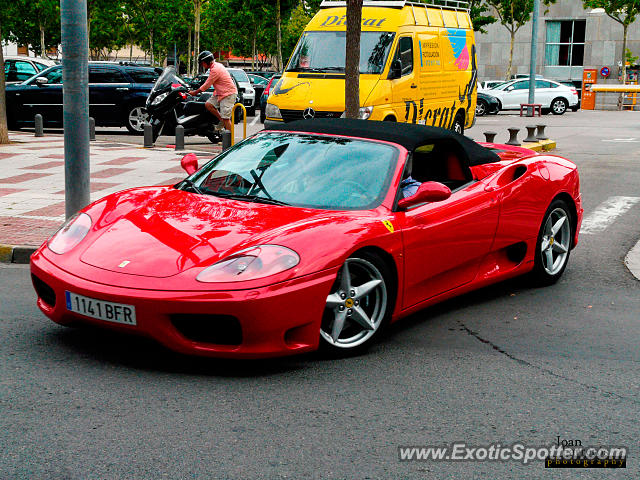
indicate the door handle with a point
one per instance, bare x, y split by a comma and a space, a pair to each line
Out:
122, 89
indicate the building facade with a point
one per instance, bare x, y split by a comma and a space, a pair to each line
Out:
570, 39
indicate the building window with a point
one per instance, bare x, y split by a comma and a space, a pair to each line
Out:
565, 43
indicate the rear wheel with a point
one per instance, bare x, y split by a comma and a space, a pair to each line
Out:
554, 244
358, 306
559, 106
137, 116
458, 123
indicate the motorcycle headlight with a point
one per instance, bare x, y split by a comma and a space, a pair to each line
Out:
272, 111
70, 234
250, 264
365, 112
159, 98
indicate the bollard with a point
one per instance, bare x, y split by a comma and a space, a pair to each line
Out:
513, 137
38, 121
226, 139
490, 136
541, 135
148, 135
531, 134
92, 128
179, 138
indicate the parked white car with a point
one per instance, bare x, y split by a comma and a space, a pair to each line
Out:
18, 68
553, 96
249, 95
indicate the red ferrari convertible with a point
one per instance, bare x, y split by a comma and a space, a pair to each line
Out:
315, 234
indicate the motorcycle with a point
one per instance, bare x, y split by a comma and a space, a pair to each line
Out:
169, 105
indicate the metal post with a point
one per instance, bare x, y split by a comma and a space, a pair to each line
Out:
534, 57
490, 136
531, 134
75, 82
513, 136
179, 138
38, 125
226, 139
92, 128
541, 135
148, 135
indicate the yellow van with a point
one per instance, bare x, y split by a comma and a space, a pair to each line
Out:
417, 65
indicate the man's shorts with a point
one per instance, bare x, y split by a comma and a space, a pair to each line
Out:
224, 106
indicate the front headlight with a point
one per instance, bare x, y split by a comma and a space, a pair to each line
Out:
272, 111
159, 98
70, 234
250, 264
365, 112
250, 91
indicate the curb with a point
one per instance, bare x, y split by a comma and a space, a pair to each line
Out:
632, 260
16, 253
540, 146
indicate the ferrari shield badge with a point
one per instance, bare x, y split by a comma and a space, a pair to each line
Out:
388, 224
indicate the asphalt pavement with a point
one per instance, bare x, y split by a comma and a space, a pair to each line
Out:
506, 364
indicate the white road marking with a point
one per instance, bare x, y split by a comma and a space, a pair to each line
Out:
606, 213
255, 120
622, 140
632, 260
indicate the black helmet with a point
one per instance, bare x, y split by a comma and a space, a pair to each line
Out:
205, 56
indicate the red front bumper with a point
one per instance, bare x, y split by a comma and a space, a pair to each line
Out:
275, 320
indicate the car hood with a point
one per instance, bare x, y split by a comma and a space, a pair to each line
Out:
173, 231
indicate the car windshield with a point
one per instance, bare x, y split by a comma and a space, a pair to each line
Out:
167, 78
239, 75
52, 74
325, 52
303, 170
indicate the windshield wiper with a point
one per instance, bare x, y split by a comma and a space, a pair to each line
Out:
254, 198
189, 184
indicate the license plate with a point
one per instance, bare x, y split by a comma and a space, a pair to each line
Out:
107, 311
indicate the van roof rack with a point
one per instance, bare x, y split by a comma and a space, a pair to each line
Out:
450, 4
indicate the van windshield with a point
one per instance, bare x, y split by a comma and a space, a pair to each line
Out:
325, 52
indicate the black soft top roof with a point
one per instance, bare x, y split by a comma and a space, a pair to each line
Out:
408, 135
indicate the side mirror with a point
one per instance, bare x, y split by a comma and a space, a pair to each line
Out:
510, 89
41, 81
251, 80
427, 192
396, 69
189, 163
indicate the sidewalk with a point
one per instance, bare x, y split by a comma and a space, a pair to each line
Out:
32, 183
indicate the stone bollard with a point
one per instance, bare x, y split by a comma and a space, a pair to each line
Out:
513, 137
226, 139
92, 128
490, 136
39, 125
148, 135
179, 138
541, 135
531, 134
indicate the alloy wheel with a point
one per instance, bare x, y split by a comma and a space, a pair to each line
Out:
138, 116
556, 241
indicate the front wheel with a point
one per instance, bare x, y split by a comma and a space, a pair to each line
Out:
137, 116
358, 306
481, 108
559, 106
554, 244
458, 124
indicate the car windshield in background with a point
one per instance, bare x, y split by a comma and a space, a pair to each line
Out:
239, 75
53, 76
312, 171
324, 52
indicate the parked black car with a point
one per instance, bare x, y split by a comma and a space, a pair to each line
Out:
117, 95
487, 105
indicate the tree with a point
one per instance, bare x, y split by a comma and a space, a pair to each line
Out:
8, 16
514, 14
476, 10
624, 12
352, 59
39, 25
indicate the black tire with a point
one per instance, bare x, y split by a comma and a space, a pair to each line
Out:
135, 117
389, 118
377, 305
482, 108
559, 106
213, 137
541, 274
263, 116
458, 123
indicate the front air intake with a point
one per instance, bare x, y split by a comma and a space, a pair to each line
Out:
44, 291
204, 328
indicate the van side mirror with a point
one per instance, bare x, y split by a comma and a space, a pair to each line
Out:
427, 192
189, 163
396, 69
